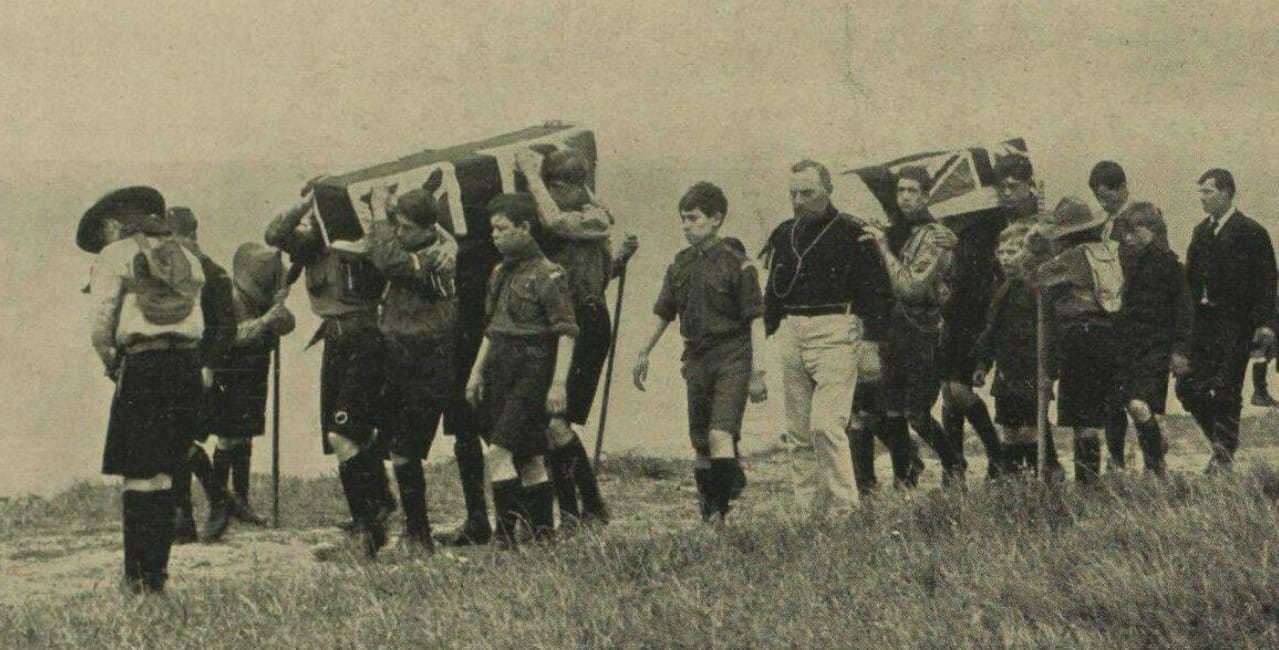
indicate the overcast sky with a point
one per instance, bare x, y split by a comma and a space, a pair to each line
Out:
228, 106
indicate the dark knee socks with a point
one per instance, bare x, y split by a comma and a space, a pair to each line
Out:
506, 505
952, 419
1151, 439
412, 483
862, 446
241, 461
364, 483
720, 479
896, 436
1087, 459
561, 463
934, 437
537, 508
588, 486
148, 537
470, 470
1259, 378
1116, 432
979, 417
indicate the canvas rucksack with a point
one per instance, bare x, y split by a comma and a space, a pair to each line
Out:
166, 285
1107, 274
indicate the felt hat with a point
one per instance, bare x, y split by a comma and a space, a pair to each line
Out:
257, 272
1071, 215
137, 201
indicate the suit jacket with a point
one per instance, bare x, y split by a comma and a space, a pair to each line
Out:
1236, 269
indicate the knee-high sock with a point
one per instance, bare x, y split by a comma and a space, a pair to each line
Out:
978, 416
1116, 433
560, 463
135, 542
241, 461
1259, 377
1151, 439
507, 510
1087, 459
412, 483
723, 473
952, 418
202, 469
587, 485
861, 445
931, 433
222, 468
470, 471
900, 447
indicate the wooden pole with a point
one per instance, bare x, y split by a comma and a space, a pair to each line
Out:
275, 415
1043, 384
608, 372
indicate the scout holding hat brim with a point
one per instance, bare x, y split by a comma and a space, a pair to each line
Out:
137, 201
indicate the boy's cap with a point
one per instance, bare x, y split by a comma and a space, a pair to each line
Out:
135, 201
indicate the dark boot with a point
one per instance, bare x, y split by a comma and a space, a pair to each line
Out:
978, 416
135, 542
241, 461
417, 526
1116, 435
470, 470
862, 446
1087, 460
701, 475
538, 504
560, 463
1225, 440
588, 487
184, 531
1153, 447
506, 508
1260, 393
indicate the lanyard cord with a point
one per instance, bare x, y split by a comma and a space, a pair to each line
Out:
799, 257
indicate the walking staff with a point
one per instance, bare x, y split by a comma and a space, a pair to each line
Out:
282, 292
608, 371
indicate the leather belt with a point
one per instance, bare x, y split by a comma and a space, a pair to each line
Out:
818, 310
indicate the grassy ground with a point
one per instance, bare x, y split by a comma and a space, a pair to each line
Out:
1193, 562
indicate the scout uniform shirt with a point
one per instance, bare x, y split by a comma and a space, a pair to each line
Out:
581, 247
714, 289
420, 300
918, 273
529, 298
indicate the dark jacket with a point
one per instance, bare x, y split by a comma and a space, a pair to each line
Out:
837, 268
1009, 341
1235, 269
217, 306
1157, 311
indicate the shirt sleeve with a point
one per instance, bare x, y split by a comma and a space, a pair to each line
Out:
591, 222
665, 307
106, 285
558, 304
750, 299
914, 279
282, 232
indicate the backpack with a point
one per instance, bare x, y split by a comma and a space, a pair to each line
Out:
1107, 274
166, 285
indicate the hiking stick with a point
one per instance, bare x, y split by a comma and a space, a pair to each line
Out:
608, 371
1041, 359
275, 416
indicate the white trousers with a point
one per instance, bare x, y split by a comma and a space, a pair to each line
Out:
819, 356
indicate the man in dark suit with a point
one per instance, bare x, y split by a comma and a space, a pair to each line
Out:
1230, 268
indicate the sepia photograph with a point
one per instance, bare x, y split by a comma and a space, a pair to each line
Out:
724, 324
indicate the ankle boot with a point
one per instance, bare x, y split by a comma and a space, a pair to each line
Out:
593, 508
1116, 434
538, 504
1153, 447
417, 526
506, 509
135, 543
560, 462
1087, 460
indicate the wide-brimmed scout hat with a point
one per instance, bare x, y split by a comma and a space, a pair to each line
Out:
257, 272
134, 201
1070, 216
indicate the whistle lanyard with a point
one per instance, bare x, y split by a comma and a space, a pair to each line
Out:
799, 257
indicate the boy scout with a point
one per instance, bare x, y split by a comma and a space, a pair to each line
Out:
714, 290
918, 254
519, 379
576, 233
241, 381
1008, 345
162, 312
1081, 287
1154, 325
419, 311
344, 288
